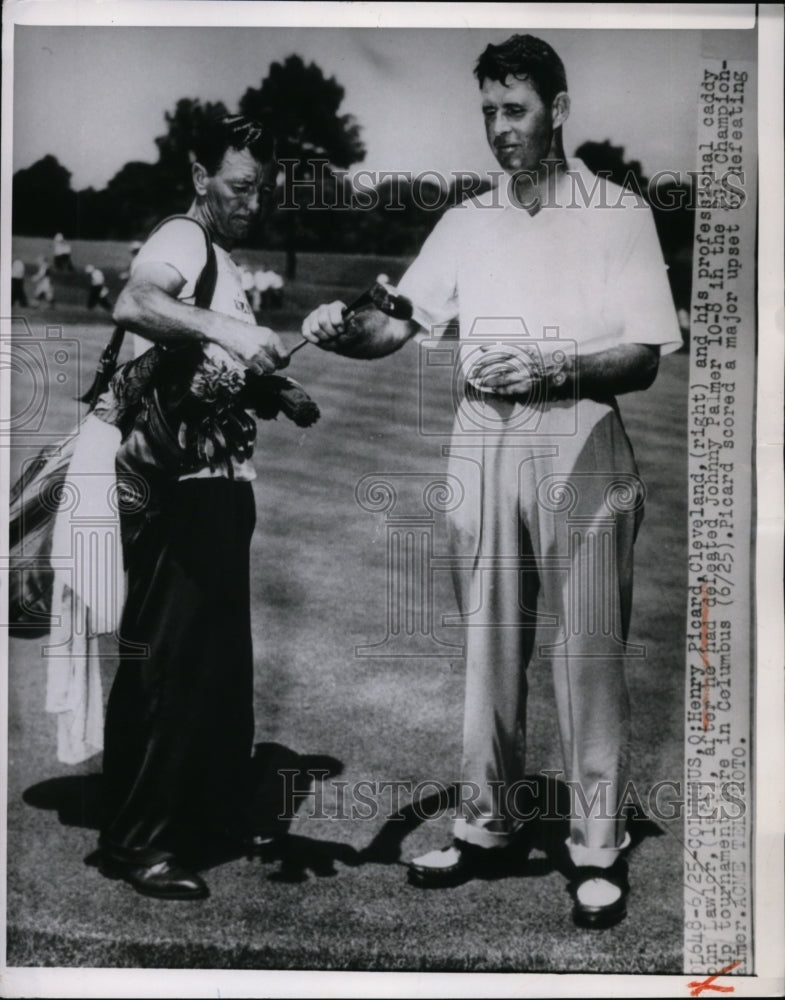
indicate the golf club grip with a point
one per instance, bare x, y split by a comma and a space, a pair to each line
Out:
303, 342
377, 296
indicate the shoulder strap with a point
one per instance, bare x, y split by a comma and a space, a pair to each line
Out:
205, 283
203, 296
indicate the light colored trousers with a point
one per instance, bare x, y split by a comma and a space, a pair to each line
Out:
542, 546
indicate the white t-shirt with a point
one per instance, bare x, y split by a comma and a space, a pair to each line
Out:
181, 244
592, 271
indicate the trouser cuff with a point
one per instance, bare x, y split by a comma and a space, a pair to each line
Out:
482, 835
133, 856
597, 857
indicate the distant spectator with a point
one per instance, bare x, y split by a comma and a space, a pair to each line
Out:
42, 283
246, 279
18, 294
61, 251
261, 283
99, 293
275, 289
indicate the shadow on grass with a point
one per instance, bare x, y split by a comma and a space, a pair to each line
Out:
549, 805
284, 778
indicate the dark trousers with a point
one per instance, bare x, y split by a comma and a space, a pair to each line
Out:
99, 296
18, 295
63, 262
179, 724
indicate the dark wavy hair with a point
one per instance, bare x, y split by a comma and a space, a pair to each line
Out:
526, 58
232, 132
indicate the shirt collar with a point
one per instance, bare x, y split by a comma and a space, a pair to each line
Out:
563, 194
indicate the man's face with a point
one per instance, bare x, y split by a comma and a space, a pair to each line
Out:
235, 192
518, 126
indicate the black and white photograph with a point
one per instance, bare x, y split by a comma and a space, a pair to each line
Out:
391, 452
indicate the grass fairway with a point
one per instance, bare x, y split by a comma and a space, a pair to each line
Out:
337, 897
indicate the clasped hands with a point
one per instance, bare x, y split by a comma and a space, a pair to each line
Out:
514, 370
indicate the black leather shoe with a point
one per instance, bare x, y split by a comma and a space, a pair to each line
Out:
600, 916
163, 880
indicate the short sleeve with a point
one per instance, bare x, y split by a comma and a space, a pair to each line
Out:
431, 282
181, 244
642, 299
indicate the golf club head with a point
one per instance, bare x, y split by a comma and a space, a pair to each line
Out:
382, 296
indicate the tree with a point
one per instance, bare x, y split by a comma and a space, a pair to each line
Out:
92, 214
608, 160
175, 149
301, 107
135, 200
141, 194
43, 201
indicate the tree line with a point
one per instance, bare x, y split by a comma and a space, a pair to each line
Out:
317, 142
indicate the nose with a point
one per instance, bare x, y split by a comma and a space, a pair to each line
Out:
253, 203
496, 124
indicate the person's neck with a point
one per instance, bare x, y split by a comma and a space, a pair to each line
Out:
536, 190
200, 211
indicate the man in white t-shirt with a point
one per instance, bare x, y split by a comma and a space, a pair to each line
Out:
179, 724
275, 289
559, 286
61, 251
42, 283
98, 295
18, 295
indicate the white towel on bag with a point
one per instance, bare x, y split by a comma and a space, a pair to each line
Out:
89, 590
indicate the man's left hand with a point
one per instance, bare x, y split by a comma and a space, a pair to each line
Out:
506, 371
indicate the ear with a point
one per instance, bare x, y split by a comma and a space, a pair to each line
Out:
199, 175
560, 108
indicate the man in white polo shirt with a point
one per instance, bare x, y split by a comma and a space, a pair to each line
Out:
559, 286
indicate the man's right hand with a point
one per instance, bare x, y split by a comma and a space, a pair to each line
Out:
255, 347
325, 325
368, 333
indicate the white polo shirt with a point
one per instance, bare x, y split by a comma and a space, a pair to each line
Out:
180, 243
588, 263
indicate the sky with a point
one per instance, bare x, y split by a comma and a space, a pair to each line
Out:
95, 97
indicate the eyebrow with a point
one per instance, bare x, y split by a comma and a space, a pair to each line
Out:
487, 105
